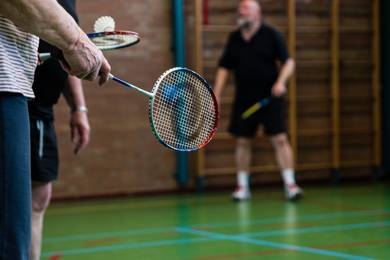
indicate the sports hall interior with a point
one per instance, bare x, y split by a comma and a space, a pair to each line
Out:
128, 197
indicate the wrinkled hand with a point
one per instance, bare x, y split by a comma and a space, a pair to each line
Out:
85, 61
279, 89
80, 130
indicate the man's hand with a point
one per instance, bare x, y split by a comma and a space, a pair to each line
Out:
80, 130
50, 22
279, 89
85, 61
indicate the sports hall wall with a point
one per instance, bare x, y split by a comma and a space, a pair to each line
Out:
123, 156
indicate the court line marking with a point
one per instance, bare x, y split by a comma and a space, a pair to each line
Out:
239, 255
146, 231
343, 214
217, 236
311, 230
242, 239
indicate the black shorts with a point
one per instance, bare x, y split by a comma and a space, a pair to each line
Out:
44, 151
271, 116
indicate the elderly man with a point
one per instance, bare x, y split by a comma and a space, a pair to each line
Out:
20, 20
251, 54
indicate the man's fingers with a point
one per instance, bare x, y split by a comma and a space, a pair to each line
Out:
92, 75
104, 72
87, 62
73, 134
83, 140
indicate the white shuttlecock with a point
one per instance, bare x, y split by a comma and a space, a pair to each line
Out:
104, 24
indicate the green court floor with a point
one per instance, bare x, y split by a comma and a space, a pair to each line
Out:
351, 222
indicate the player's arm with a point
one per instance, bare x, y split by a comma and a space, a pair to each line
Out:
220, 82
49, 21
79, 125
286, 70
226, 63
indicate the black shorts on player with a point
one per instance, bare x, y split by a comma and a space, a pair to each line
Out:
272, 117
44, 151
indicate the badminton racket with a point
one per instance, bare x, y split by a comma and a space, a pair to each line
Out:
255, 107
104, 41
183, 110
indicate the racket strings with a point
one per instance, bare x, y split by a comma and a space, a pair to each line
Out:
184, 111
114, 40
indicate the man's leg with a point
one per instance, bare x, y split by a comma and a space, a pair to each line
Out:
243, 159
285, 159
15, 184
284, 155
41, 194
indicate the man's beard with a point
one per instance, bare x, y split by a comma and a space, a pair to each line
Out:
244, 23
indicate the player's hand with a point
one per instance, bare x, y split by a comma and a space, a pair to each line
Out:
85, 61
80, 130
279, 89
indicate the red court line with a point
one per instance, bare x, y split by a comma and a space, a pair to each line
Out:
334, 205
56, 257
99, 242
356, 244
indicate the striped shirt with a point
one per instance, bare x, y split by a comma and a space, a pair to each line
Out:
18, 59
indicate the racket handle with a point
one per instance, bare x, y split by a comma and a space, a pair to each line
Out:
56, 54
250, 111
129, 85
44, 56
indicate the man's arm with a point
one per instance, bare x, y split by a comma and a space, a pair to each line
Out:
220, 82
49, 21
79, 125
285, 73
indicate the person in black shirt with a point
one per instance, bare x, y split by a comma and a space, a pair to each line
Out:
252, 53
50, 81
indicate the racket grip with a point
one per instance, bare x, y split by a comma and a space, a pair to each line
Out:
56, 54
265, 101
44, 56
251, 110
256, 107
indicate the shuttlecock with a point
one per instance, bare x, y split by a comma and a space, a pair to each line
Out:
104, 24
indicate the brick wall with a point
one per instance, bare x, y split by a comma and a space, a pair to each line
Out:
123, 156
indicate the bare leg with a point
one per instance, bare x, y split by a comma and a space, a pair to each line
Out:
243, 159
41, 194
284, 155
285, 159
243, 154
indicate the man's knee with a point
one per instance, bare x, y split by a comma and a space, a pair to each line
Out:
41, 197
280, 140
243, 142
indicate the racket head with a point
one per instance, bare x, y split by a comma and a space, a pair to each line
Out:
113, 40
183, 111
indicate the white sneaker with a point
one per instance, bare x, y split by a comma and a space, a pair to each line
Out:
241, 194
293, 192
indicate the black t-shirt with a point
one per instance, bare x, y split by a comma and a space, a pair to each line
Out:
254, 62
50, 79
